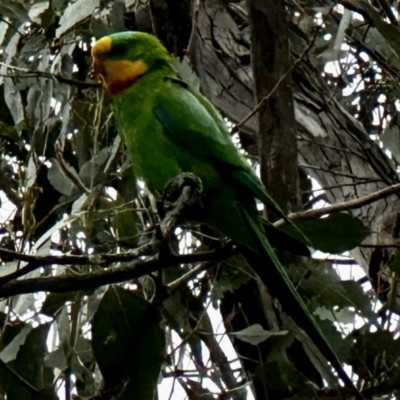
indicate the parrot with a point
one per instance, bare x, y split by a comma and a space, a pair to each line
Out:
170, 128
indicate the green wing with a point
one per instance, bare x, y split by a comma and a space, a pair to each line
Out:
192, 122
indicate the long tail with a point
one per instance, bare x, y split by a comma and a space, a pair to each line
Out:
268, 267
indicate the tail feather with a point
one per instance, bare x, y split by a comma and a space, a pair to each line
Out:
268, 267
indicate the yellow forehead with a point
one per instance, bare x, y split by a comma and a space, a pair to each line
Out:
102, 46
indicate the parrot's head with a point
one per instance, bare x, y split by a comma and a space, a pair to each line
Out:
121, 58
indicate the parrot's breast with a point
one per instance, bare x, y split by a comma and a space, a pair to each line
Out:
155, 158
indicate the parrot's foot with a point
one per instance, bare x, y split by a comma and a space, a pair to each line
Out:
182, 196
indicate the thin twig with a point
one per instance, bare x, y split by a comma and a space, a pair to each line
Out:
331, 171
344, 206
325, 188
47, 75
188, 276
338, 149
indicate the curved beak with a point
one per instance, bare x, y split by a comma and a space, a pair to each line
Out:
99, 70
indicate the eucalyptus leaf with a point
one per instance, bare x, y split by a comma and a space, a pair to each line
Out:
58, 179
75, 13
334, 234
56, 359
255, 334
10, 352
128, 344
30, 363
63, 326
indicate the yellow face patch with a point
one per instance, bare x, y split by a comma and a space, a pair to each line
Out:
101, 47
116, 75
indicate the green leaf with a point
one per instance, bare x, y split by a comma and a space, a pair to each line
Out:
231, 275
54, 301
58, 179
56, 359
340, 346
125, 221
63, 326
312, 351
29, 364
91, 171
45, 394
319, 282
10, 352
394, 263
357, 297
375, 353
128, 344
279, 373
334, 234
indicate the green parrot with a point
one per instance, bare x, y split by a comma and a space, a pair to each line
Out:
170, 128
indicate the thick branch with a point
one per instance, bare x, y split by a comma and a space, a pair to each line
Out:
95, 279
272, 82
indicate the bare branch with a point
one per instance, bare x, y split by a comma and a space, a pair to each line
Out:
29, 73
345, 206
95, 279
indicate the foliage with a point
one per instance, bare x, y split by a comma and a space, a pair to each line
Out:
70, 203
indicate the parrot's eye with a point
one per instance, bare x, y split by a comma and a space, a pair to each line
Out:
117, 50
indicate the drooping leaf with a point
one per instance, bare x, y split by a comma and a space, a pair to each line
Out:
279, 373
231, 274
125, 221
375, 353
255, 334
312, 351
58, 179
339, 344
63, 326
334, 234
128, 344
54, 301
10, 352
91, 172
319, 281
75, 13
56, 359
45, 394
29, 364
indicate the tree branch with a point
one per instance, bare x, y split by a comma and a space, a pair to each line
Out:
344, 206
95, 279
47, 75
